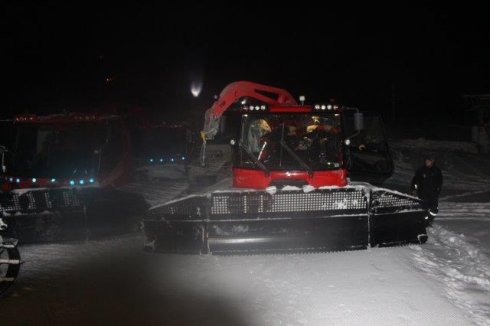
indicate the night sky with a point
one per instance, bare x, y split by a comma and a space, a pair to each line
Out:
62, 56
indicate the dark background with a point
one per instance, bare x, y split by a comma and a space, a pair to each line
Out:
66, 56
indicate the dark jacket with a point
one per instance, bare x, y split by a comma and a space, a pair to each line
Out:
427, 182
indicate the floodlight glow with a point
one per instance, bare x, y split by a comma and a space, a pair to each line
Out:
196, 88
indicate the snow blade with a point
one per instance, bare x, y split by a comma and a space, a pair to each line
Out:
329, 219
46, 215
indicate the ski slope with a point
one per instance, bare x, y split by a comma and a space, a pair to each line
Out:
444, 282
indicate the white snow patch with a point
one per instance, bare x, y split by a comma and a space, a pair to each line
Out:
308, 188
290, 188
271, 190
460, 269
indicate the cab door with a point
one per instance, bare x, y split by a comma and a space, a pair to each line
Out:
367, 151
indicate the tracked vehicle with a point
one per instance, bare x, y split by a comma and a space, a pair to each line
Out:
59, 177
291, 188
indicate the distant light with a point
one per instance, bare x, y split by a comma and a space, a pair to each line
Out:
109, 79
53, 180
81, 181
196, 88
17, 180
151, 160
72, 182
183, 158
91, 180
34, 180
172, 160
11, 179
161, 160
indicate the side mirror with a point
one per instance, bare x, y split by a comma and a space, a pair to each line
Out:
358, 121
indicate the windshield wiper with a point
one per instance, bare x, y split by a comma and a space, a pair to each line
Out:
254, 159
296, 157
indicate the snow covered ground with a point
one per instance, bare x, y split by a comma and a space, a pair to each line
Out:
444, 282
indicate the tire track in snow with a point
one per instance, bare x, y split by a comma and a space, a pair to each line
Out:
460, 268
463, 211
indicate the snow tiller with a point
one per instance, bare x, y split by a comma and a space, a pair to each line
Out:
291, 189
58, 177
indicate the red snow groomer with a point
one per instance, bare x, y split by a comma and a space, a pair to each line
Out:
59, 173
291, 189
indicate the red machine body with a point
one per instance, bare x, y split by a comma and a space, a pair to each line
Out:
101, 141
278, 103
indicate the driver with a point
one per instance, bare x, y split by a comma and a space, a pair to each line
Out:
258, 129
321, 139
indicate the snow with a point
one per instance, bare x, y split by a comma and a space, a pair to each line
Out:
271, 190
443, 282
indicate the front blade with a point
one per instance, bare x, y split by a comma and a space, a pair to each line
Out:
256, 221
396, 218
329, 219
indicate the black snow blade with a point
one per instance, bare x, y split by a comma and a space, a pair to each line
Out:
63, 214
329, 219
39, 200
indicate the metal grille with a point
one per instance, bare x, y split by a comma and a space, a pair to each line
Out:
39, 200
262, 202
392, 200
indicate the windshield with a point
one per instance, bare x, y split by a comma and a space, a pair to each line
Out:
290, 141
57, 151
371, 137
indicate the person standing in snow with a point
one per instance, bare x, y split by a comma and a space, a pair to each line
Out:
426, 184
